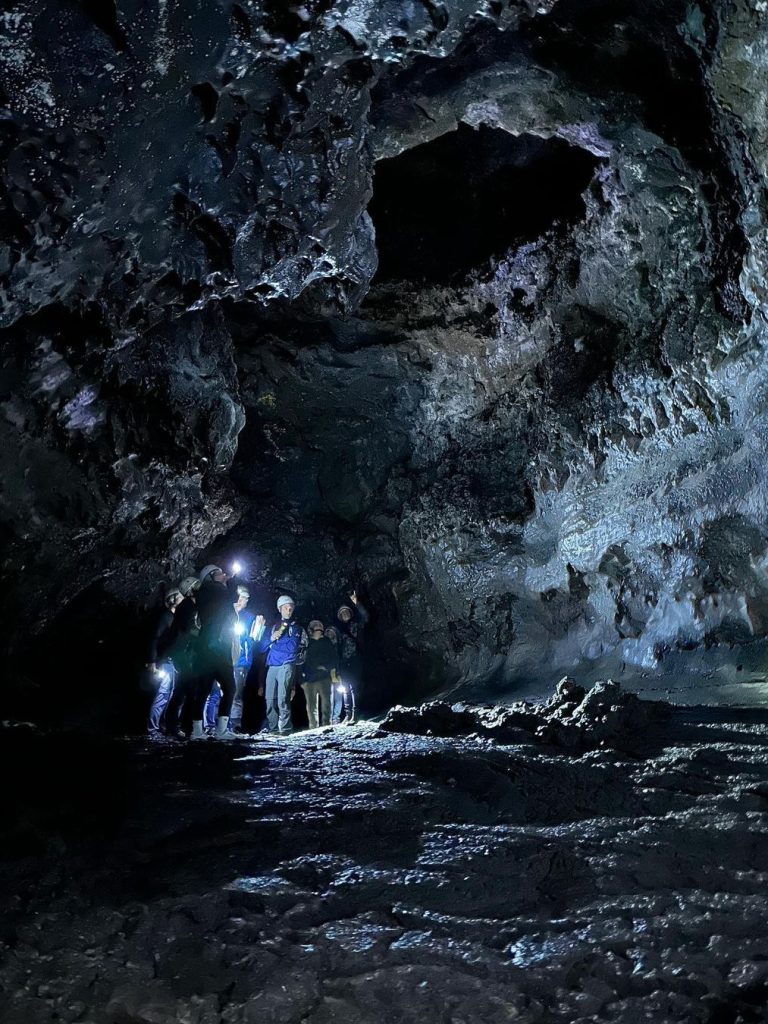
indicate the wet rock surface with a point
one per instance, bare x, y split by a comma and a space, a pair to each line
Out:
606, 717
357, 874
462, 303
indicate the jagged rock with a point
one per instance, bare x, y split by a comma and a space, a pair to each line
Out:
606, 716
363, 875
567, 692
461, 301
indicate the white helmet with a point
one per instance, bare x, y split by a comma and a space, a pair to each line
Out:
188, 585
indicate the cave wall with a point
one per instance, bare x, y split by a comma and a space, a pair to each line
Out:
540, 450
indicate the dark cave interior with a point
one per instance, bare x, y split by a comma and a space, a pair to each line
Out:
445, 207
449, 205
457, 306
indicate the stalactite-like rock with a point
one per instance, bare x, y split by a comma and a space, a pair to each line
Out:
461, 302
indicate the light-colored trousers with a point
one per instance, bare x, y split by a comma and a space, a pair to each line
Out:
277, 693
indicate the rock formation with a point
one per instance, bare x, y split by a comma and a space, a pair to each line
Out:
359, 876
460, 302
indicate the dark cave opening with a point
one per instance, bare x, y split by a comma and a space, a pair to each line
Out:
447, 206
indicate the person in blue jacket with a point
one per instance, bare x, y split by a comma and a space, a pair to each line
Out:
214, 650
242, 653
242, 659
285, 645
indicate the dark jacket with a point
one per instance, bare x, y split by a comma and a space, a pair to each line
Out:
288, 648
185, 633
161, 636
351, 634
215, 606
322, 657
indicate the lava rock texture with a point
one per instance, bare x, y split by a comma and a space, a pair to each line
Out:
357, 876
604, 717
461, 301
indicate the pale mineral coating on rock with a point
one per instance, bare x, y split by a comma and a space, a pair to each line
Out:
356, 875
537, 431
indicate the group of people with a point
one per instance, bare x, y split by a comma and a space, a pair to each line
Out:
205, 643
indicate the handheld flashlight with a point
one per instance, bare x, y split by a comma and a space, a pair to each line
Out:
162, 675
237, 568
341, 689
239, 629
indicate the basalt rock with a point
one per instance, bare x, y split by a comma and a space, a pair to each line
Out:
355, 875
460, 303
605, 717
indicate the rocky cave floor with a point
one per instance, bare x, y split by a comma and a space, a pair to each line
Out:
372, 874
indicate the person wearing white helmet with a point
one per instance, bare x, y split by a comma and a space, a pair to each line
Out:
248, 628
159, 666
285, 646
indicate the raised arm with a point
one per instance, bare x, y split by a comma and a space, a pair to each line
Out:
362, 611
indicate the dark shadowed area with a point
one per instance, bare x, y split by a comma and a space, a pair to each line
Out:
459, 306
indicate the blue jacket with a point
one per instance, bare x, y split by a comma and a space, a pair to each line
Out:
290, 646
244, 653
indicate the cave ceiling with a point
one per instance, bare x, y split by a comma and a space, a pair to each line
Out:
459, 303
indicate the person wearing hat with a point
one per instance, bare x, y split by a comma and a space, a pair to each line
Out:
285, 646
159, 666
214, 649
246, 629
186, 629
319, 673
352, 622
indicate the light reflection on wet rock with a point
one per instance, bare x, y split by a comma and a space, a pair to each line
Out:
374, 876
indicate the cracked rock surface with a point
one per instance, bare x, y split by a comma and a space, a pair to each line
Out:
361, 875
460, 302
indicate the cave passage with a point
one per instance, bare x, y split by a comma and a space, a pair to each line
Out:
446, 207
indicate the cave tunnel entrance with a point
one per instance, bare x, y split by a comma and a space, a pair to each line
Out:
446, 207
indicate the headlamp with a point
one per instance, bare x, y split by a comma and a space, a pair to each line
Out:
162, 675
237, 568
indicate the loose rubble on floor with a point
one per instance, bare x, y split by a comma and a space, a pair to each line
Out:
572, 718
596, 857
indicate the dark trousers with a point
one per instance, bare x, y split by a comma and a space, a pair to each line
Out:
180, 708
217, 668
345, 696
343, 702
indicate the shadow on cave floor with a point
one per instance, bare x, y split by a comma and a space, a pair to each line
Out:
354, 792
142, 880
